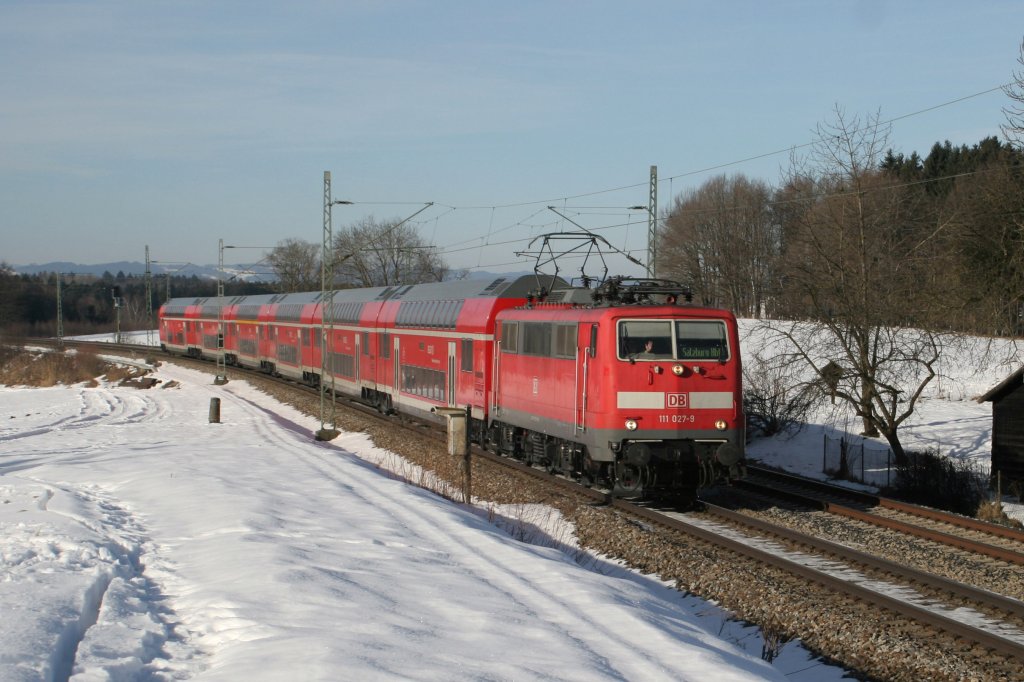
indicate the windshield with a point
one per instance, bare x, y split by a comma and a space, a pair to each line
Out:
672, 340
701, 340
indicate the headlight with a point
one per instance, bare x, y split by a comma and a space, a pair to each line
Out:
721, 425
631, 425
678, 370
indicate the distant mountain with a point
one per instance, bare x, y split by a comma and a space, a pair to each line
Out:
247, 273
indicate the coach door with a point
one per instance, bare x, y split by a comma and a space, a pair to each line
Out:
357, 360
586, 348
452, 373
396, 377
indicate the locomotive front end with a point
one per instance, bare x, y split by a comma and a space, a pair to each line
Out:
621, 387
676, 421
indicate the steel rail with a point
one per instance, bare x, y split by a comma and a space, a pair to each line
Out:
966, 544
888, 503
988, 640
1008, 605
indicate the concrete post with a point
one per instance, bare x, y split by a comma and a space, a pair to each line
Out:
458, 443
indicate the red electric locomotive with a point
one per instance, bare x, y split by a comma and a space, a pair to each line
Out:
623, 386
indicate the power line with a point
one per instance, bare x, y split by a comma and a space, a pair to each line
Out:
486, 241
728, 164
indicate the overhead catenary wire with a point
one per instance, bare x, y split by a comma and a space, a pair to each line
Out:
481, 242
747, 159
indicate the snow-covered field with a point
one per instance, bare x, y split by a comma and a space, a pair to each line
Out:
140, 541
948, 419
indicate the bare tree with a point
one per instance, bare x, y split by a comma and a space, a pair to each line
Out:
372, 253
775, 399
855, 258
692, 242
723, 241
296, 264
1013, 129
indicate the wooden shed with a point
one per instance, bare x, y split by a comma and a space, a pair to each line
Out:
1008, 427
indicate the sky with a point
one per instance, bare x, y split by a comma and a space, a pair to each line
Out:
175, 125
140, 541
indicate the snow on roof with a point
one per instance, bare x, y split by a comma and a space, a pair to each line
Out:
1005, 386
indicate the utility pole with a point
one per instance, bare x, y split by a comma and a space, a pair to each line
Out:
60, 313
222, 371
149, 300
328, 259
652, 225
327, 319
115, 293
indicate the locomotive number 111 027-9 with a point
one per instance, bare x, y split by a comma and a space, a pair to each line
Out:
675, 419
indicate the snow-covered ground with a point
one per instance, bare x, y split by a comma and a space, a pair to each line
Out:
140, 541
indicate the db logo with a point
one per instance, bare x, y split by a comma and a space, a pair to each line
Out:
676, 399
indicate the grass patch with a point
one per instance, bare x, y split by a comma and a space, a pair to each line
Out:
21, 367
992, 511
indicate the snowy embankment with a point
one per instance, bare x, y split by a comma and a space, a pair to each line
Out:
948, 417
140, 541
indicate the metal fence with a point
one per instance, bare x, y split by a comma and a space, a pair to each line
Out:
854, 461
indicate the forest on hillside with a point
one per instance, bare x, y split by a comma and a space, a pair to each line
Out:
91, 304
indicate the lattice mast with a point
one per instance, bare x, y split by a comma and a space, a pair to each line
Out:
222, 371
652, 225
328, 414
149, 300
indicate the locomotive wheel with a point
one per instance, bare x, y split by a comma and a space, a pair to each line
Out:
630, 479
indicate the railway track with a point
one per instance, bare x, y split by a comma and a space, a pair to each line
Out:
990, 637
993, 620
972, 535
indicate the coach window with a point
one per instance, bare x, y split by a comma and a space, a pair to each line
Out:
384, 349
645, 340
467, 355
366, 343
